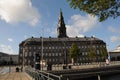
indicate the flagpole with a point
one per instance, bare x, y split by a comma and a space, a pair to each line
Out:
42, 50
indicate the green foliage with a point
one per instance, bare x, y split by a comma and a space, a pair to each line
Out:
103, 52
92, 53
101, 8
74, 51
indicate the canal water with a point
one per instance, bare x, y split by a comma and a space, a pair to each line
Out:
111, 77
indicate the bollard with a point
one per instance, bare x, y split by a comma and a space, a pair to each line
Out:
99, 77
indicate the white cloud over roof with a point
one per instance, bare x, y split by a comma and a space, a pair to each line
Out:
7, 49
115, 38
80, 24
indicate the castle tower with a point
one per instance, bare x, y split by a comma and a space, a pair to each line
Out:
61, 29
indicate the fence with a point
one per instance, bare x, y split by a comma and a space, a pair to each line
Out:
41, 75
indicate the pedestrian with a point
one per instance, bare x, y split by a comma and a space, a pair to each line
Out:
17, 69
21, 69
107, 61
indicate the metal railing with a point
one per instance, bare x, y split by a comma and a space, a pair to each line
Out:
44, 75
41, 75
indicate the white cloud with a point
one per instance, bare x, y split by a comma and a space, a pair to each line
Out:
14, 11
115, 39
7, 49
114, 30
10, 39
25, 36
80, 24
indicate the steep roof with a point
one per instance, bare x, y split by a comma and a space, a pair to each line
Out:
38, 40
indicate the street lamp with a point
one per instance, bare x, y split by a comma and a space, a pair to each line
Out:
42, 49
23, 58
10, 59
10, 63
65, 52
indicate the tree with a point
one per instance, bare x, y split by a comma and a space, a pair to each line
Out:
103, 52
101, 8
92, 54
74, 51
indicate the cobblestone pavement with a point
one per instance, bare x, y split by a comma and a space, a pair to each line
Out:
15, 76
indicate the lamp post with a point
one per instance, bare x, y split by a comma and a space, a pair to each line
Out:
65, 53
10, 60
23, 58
9, 64
42, 49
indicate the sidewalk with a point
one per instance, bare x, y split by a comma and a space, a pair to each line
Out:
15, 76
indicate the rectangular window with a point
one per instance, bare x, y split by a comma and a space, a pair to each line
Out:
86, 53
46, 54
20, 61
30, 54
49, 54
53, 60
34, 52
56, 54
34, 47
39, 47
83, 53
53, 54
21, 55
59, 54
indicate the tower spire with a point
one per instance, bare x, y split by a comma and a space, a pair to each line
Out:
61, 29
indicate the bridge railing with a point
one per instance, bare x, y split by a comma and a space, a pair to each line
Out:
94, 65
41, 75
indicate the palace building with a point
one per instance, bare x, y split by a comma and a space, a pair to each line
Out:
56, 50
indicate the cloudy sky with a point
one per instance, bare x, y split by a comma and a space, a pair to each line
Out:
21, 19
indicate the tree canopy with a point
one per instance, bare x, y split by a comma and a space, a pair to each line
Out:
103, 52
101, 8
74, 50
92, 53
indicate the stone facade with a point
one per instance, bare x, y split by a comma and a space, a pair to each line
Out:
55, 50
5, 59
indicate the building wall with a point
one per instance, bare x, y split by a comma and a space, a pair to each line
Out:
5, 59
14, 59
114, 56
55, 50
